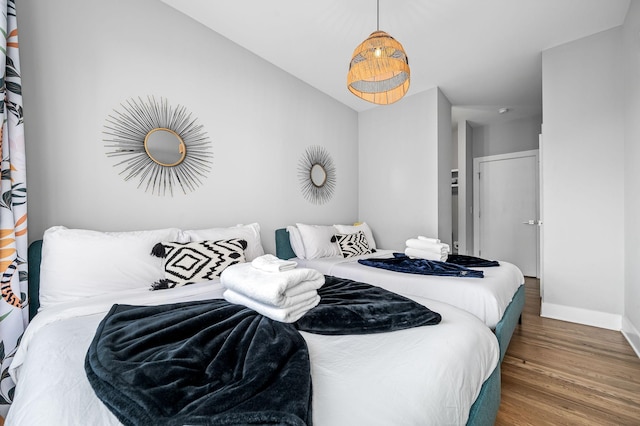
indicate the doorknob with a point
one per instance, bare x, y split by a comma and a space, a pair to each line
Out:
533, 222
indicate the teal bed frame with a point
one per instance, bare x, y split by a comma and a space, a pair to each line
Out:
483, 412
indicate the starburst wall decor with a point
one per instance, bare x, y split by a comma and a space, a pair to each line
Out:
317, 175
159, 145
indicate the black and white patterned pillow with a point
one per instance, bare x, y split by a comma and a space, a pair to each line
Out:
351, 245
188, 263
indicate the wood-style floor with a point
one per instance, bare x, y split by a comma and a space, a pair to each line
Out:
560, 373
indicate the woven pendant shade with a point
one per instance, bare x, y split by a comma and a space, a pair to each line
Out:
379, 70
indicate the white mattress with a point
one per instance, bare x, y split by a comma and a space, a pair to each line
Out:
422, 376
486, 298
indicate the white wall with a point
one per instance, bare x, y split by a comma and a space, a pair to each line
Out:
445, 157
399, 164
80, 59
465, 187
583, 181
631, 46
454, 191
520, 134
505, 136
77, 67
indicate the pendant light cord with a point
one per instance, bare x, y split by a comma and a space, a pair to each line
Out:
378, 15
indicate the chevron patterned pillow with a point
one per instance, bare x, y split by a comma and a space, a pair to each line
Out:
351, 245
188, 263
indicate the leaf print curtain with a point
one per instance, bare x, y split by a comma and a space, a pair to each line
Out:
13, 203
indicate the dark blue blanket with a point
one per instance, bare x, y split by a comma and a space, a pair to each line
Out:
471, 261
349, 307
403, 263
212, 362
206, 362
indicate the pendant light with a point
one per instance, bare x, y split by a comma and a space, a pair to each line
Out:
379, 69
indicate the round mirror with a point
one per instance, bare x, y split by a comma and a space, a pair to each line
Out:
318, 175
165, 147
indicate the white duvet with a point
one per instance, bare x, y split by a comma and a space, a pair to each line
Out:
486, 298
422, 376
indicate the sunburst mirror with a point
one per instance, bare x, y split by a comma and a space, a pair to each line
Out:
317, 175
159, 145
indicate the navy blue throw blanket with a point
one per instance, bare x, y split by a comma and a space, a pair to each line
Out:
199, 363
349, 307
403, 263
215, 363
471, 261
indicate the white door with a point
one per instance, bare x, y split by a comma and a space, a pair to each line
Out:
506, 213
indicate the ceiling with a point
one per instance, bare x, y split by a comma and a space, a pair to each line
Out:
483, 54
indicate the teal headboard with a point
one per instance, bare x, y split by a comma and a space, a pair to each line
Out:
34, 257
283, 245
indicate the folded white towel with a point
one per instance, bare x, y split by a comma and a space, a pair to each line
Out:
275, 289
427, 245
289, 314
425, 254
433, 240
270, 263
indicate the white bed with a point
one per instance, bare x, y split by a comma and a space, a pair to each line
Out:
425, 375
430, 375
497, 299
487, 298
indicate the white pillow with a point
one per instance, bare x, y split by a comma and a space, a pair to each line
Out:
250, 233
348, 229
295, 239
79, 263
317, 240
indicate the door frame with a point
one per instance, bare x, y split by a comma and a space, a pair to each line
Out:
476, 197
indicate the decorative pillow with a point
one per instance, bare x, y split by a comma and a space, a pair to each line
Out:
352, 245
295, 239
250, 233
80, 263
317, 241
188, 263
349, 229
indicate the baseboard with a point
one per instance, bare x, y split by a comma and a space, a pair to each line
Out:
581, 316
631, 334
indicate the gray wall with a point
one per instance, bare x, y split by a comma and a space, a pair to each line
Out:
631, 319
508, 136
80, 59
583, 181
445, 157
77, 67
502, 137
400, 159
465, 187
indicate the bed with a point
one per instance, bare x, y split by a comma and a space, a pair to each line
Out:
497, 299
443, 374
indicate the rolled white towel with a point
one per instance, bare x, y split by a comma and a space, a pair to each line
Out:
425, 254
432, 240
271, 263
427, 245
289, 314
277, 290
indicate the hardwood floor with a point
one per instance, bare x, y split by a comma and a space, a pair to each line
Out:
560, 373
